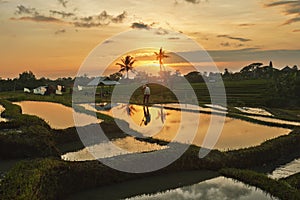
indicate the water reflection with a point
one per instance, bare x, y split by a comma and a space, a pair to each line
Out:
258, 111
286, 170
147, 185
126, 145
56, 115
104, 106
128, 109
147, 116
1, 110
162, 115
165, 124
217, 188
278, 121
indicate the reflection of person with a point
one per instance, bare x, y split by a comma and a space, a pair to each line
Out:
146, 94
147, 116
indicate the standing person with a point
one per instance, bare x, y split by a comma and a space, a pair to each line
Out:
146, 94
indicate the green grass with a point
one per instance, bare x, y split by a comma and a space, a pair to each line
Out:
293, 180
24, 136
51, 178
280, 189
17, 96
270, 153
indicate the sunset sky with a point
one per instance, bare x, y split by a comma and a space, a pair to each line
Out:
52, 38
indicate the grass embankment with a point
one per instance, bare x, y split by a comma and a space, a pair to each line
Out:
24, 136
18, 96
268, 155
293, 180
55, 179
251, 93
277, 188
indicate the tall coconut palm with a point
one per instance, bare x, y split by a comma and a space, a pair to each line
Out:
160, 57
126, 64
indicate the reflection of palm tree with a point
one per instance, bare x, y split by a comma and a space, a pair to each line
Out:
160, 57
130, 109
162, 115
126, 64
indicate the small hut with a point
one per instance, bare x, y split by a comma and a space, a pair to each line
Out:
105, 83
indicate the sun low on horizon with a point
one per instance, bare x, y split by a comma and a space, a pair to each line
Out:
54, 38
145, 61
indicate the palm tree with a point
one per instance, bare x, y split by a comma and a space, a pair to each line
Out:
160, 56
126, 64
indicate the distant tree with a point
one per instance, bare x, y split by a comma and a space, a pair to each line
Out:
115, 76
295, 68
194, 77
26, 79
251, 67
271, 64
227, 75
27, 76
251, 70
126, 64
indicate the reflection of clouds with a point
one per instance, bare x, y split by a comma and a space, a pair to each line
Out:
185, 124
122, 146
215, 189
286, 170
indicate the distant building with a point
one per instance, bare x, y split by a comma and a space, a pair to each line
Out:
103, 81
58, 90
26, 90
40, 90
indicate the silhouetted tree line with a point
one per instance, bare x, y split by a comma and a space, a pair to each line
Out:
28, 80
258, 71
282, 88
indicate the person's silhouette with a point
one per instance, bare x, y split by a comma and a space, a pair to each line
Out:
146, 94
